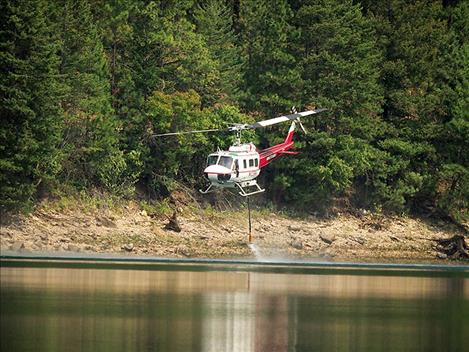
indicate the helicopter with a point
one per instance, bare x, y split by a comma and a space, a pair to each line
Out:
240, 165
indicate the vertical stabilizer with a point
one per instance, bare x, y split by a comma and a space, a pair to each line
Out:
291, 131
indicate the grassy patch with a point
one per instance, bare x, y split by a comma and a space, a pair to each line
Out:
87, 201
157, 208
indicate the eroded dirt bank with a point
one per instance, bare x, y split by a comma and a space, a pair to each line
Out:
133, 231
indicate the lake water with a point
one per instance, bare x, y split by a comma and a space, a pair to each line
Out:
231, 307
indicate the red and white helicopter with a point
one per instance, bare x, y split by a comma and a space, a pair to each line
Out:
239, 166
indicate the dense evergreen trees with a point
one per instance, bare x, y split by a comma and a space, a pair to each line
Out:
416, 73
89, 139
214, 21
271, 78
338, 60
30, 110
85, 84
452, 186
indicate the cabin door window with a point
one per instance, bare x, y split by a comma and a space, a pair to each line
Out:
236, 167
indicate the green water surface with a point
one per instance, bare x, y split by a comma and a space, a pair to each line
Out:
176, 308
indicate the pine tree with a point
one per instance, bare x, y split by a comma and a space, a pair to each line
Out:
452, 184
116, 22
152, 49
90, 136
30, 111
339, 64
414, 39
214, 20
270, 75
113, 21
171, 60
170, 55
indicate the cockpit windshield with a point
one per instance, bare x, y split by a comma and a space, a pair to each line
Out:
212, 160
226, 161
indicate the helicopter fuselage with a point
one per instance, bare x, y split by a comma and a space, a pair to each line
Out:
242, 163
238, 164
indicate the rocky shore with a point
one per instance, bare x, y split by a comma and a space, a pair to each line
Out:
132, 231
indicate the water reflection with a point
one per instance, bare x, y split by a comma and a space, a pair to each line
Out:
134, 310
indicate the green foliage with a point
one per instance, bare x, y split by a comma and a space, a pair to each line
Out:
90, 132
169, 55
414, 38
177, 156
339, 65
271, 78
117, 35
118, 173
114, 21
451, 187
86, 84
453, 190
417, 44
157, 208
214, 20
30, 90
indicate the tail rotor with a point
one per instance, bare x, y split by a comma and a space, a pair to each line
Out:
301, 125
293, 111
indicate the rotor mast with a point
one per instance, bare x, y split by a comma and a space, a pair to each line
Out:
238, 137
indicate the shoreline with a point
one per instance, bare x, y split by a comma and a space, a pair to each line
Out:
81, 261
130, 230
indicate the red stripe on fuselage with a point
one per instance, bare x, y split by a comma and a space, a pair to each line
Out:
226, 173
270, 154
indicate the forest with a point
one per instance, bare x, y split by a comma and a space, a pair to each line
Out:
85, 84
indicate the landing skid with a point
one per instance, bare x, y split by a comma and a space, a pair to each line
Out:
244, 188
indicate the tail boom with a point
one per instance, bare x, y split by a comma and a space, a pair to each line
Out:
270, 154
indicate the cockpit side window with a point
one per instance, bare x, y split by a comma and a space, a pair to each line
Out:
212, 160
226, 161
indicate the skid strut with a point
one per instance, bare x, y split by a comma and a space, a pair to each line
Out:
244, 188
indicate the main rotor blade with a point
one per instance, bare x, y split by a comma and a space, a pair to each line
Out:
188, 132
290, 117
240, 126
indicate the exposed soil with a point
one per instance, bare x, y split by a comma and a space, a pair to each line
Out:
131, 231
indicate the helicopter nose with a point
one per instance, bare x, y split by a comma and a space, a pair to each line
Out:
223, 177
217, 173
